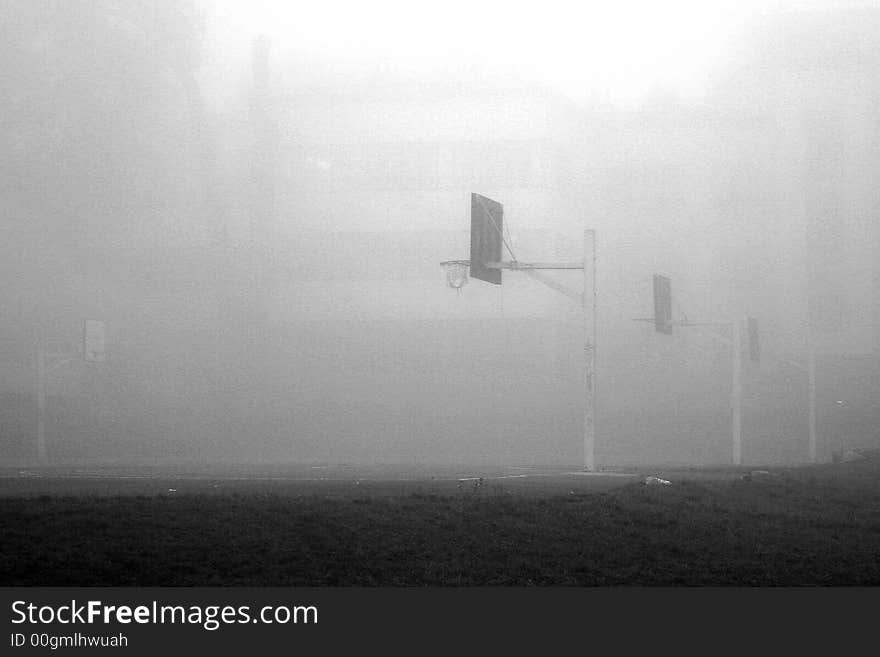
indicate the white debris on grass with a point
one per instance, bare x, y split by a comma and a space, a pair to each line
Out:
850, 455
758, 474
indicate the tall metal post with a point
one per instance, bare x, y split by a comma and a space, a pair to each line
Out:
736, 394
811, 374
42, 455
589, 349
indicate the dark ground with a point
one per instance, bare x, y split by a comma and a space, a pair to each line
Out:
343, 526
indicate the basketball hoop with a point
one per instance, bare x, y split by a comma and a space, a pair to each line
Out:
456, 273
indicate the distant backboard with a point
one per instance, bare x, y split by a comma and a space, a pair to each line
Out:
662, 304
487, 223
94, 341
754, 341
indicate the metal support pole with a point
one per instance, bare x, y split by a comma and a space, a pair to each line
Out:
42, 455
589, 303
811, 374
736, 394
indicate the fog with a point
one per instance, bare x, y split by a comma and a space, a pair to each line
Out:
254, 203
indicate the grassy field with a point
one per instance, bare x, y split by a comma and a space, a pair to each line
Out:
800, 526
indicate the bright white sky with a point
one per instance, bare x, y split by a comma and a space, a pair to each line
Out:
617, 50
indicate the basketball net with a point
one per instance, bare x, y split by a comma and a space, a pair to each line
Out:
456, 273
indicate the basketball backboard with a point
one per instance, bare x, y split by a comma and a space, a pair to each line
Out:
754, 341
94, 341
662, 304
487, 223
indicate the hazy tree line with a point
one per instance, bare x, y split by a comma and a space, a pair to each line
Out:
111, 202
